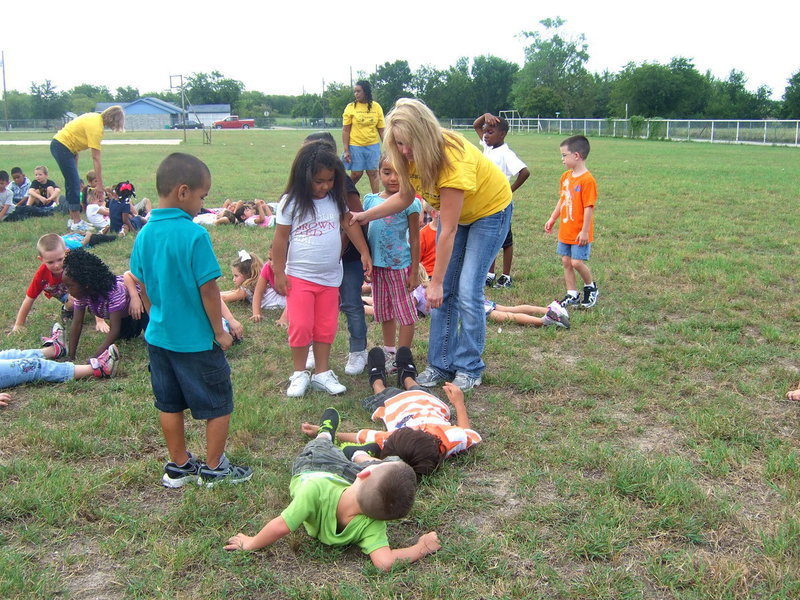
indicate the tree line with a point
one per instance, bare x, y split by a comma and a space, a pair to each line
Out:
553, 81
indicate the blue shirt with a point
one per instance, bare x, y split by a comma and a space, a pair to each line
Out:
173, 258
20, 191
388, 237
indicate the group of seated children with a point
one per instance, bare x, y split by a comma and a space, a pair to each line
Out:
116, 211
21, 198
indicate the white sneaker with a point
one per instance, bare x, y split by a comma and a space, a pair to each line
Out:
310, 362
556, 307
298, 384
356, 362
327, 382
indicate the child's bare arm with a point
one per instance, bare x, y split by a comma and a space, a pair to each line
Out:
237, 329
548, 227
456, 398
114, 326
356, 235
258, 294
75, 331
583, 235
488, 119
212, 303
135, 303
522, 177
22, 313
280, 249
413, 242
384, 558
142, 292
271, 533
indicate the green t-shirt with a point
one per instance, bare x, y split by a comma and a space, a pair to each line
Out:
315, 497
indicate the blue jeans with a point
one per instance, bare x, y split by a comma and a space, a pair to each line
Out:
458, 326
69, 169
23, 366
351, 305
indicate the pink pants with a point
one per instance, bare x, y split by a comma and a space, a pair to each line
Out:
313, 312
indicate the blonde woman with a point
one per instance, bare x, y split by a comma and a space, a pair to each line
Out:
473, 198
80, 134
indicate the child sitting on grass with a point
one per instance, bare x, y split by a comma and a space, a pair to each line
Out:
340, 502
254, 283
418, 427
39, 364
106, 295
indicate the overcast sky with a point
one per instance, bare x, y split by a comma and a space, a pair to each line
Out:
291, 47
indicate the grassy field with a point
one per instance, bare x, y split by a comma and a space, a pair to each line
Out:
645, 453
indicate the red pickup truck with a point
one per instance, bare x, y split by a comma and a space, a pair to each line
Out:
234, 122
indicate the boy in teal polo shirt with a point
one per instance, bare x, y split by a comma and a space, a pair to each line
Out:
175, 264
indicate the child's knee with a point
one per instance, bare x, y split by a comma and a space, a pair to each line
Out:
566, 261
577, 263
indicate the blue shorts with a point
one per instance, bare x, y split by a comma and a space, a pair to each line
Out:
364, 158
574, 250
199, 381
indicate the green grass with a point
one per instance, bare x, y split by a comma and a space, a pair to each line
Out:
645, 453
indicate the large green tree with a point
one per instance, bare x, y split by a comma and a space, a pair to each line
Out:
390, 82
557, 62
791, 98
126, 94
213, 88
492, 79
46, 101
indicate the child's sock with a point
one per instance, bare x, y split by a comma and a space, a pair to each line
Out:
573, 293
390, 349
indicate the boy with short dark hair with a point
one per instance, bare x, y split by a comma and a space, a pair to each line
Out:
575, 207
20, 186
173, 260
340, 502
47, 278
492, 131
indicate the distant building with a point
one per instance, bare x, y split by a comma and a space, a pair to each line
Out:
152, 113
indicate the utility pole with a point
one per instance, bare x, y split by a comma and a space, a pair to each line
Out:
5, 96
183, 100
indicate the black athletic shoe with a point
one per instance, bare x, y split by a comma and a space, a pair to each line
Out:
329, 423
349, 449
590, 294
176, 476
376, 365
224, 473
570, 300
405, 366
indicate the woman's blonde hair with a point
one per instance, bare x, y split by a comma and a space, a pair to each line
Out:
249, 265
114, 118
414, 124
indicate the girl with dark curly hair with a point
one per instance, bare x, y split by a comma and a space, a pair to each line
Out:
112, 297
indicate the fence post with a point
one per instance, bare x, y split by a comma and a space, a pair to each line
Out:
688, 127
765, 132
737, 131
584, 127
796, 133
668, 128
712, 132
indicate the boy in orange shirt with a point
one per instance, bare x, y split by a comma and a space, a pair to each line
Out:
575, 208
427, 239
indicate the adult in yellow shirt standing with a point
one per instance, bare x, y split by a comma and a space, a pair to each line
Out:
474, 202
80, 134
362, 132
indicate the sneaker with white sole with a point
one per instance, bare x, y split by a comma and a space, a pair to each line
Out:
490, 278
405, 366
55, 340
106, 364
590, 294
356, 362
327, 382
224, 473
570, 300
310, 361
504, 281
176, 476
298, 384
431, 377
466, 382
82, 227
554, 318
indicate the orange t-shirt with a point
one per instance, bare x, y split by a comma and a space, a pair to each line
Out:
427, 248
576, 194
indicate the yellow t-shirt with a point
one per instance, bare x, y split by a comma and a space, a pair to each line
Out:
83, 132
364, 123
486, 189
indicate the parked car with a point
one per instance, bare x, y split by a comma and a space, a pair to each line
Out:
234, 122
191, 124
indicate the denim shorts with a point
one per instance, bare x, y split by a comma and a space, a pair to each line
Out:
364, 158
574, 250
199, 381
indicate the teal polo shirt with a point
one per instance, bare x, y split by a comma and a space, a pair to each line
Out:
173, 257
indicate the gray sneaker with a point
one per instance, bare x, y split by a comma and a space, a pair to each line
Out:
224, 473
466, 382
431, 377
176, 476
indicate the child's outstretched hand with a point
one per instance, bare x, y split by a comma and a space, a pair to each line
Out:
5, 398
454, 393
548, 227
101, 325
14, 331
239, 542
310, 429
256, 318
431, 542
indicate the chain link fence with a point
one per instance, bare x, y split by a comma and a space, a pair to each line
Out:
697, 130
